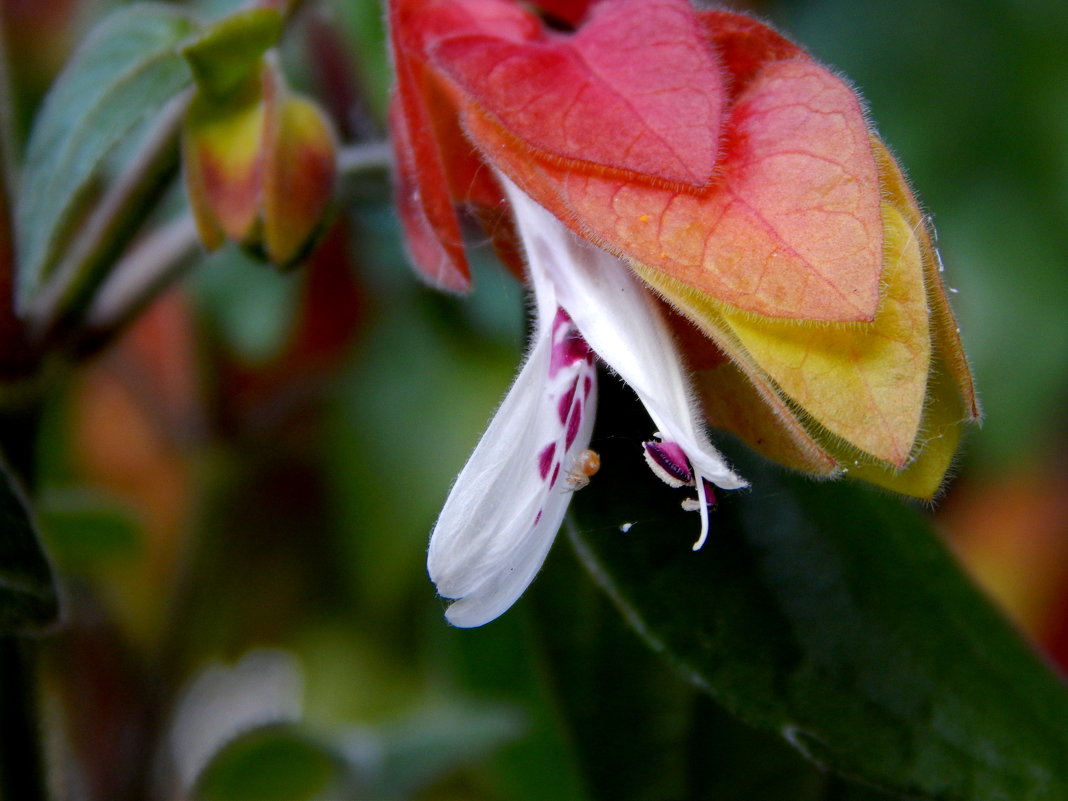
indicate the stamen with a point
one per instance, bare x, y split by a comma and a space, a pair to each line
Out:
703, 509
668, 461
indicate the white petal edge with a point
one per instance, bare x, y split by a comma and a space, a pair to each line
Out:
621, 322
490, 540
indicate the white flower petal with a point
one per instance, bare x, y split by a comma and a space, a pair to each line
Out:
621, 322
508, 502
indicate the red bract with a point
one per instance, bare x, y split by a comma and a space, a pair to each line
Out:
705, 146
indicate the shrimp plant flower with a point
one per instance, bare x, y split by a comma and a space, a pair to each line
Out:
699, 204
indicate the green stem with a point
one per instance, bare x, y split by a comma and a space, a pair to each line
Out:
22, 764
163, 256
364, 156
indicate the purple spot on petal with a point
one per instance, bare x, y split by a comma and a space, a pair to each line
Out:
565, 401
556, 475
537, 517
545, 459
587, 385
573, 425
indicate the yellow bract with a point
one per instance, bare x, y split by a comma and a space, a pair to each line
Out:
863, 382
883, 401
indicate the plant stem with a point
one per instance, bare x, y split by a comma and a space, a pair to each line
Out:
22, 765
164, 254
21, 761
143, 273
364, 156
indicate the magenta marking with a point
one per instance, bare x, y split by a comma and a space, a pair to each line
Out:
556, 475
537, 517
573, 425
568, 345
561, 318
587, 385
545, 459
565, 402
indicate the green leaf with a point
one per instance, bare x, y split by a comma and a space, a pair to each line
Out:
254, 308
272, 763
400, 759
126, 70
831, 614
494, 662
227, 52
640, 731
84, 528
27, 588
643, 732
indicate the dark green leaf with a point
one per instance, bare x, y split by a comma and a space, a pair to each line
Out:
644, 733
27, 588
641, 731
832, 615
273, 763
123, 73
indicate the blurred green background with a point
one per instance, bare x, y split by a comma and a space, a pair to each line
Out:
252, 469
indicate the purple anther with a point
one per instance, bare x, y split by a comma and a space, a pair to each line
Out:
668, 461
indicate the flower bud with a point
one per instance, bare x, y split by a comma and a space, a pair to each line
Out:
259, 160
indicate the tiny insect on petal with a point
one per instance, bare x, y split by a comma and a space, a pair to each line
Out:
585, 466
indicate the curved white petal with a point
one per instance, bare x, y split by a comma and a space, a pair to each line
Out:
507, 504
621, 322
